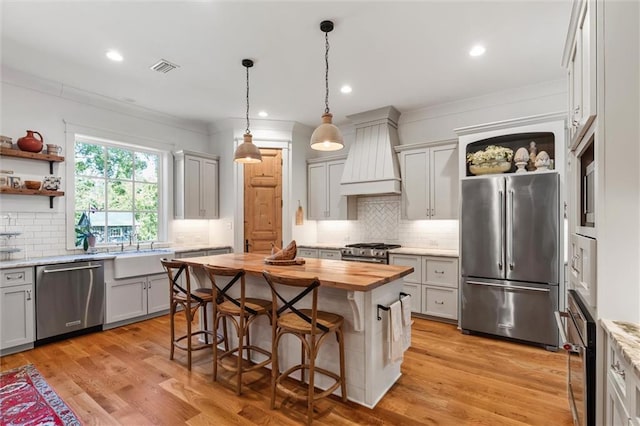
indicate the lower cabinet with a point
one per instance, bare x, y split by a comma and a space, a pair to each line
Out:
136, 297
17, 306
307, 252
319, 253
622, 406
433, 285
329, 254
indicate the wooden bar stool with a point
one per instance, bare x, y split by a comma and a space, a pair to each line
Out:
190, 300
241, 312
312, 327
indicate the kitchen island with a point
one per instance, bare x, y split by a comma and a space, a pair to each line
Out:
351, 289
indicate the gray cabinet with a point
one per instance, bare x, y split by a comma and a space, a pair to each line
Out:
580, 61
433, 285
430, 182
324, 201
16, 310
136, 297
195, 185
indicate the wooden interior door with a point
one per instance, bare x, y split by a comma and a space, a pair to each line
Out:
263, 203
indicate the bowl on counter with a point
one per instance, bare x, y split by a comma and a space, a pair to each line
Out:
32, 184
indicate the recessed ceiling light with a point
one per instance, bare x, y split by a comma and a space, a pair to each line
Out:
114, 55
477, 50
346, 89
263, 114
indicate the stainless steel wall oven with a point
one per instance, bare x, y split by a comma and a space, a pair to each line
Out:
578, 335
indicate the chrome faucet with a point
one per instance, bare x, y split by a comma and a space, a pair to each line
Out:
121, 246
152, 245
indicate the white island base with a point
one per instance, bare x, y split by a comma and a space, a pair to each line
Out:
370, 373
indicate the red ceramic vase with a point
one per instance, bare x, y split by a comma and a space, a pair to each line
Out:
31, 143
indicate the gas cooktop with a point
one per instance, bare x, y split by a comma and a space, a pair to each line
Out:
376, 246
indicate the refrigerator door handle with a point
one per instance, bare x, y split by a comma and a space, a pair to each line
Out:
501, 229
511, 265
509, 287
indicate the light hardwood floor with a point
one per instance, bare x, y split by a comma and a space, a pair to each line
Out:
124, 376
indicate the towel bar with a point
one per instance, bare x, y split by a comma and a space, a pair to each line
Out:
386, 308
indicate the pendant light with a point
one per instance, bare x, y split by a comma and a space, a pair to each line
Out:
326, 137
247, 152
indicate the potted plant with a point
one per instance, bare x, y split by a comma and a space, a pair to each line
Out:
84, 236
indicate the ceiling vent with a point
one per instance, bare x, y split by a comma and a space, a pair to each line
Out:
164, 66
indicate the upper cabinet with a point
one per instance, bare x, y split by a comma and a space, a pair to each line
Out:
430, 182
196, 185
324, 199
580, 60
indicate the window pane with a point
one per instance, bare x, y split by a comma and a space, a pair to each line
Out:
89, 159
119, 163
120, 227
146, 167
146, 197
147, 225
120, 195
89, 193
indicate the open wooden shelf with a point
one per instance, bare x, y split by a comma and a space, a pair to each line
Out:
50, 194
31, 155
16, 153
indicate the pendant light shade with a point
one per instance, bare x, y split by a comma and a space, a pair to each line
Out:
326, 137
247, 152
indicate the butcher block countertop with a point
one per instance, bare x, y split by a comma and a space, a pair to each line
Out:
353, 276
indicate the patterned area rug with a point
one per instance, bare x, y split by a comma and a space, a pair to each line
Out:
27, 399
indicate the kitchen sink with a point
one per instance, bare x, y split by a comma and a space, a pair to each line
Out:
140, 262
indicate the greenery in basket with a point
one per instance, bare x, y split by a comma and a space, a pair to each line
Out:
491, 154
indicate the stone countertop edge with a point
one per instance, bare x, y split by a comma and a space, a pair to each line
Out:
626, 337
327, 246
425, 251
49, 260
185, 249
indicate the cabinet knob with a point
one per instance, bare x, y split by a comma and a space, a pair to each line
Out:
439, 302
439, 272
28, 294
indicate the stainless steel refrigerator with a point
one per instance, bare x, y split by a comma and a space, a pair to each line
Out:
509, 236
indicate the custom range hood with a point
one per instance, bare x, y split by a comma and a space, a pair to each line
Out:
372, 165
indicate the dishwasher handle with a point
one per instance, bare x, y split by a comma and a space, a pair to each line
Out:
78, 268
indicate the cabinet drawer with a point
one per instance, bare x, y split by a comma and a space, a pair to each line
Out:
440, 271
440, 302
330, 254
415, 290
409, 260
618, 371
304, 252
16, 276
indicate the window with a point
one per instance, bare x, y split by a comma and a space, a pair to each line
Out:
117, 187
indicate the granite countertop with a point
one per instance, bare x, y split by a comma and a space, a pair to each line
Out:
184, 249
50, 260
626, 337
326, 246
425, 251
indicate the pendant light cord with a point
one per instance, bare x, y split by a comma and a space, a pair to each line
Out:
326, 73
248, 132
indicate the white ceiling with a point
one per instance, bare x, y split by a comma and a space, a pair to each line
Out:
408, 54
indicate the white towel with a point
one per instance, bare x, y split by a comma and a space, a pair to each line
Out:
406, 321
395, 331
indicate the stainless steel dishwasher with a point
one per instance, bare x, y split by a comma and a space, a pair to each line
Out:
69, 299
